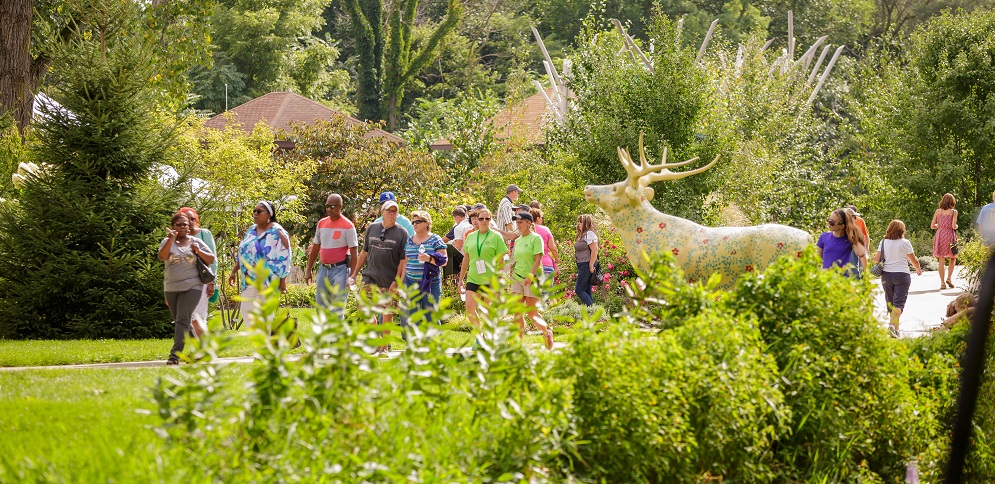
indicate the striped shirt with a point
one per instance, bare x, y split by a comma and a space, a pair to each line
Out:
415, 270
335, 237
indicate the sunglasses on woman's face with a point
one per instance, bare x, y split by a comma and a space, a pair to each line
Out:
416, 222
833, 223
485, 219
258, 210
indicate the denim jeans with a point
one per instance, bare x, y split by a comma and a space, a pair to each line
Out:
427, 302
333, 286
583, 286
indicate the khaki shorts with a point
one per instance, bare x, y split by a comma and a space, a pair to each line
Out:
528, 291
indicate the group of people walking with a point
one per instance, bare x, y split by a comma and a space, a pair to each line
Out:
846, 245
395, 250
482, 244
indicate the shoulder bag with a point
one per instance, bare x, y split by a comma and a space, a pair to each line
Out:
204, 271
878, 268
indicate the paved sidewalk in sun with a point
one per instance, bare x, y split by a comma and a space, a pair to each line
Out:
926, 307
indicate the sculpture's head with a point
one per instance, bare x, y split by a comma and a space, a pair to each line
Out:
636, 187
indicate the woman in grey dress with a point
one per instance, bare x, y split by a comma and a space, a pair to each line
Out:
181, 283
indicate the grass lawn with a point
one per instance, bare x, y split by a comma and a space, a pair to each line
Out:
78, 425
74, 352
77, 352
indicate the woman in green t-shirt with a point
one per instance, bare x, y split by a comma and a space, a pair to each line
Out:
526, 268
483, 250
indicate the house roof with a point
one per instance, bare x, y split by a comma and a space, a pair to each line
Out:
524, 119
280, 109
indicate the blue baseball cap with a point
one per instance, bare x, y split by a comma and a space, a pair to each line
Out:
387, 196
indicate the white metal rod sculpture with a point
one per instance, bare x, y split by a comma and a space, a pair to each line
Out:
699, 251
559, 105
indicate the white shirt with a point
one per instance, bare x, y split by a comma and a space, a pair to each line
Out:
896, 254
461, 229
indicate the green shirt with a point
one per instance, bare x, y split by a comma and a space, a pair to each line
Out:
488, 247
527, 247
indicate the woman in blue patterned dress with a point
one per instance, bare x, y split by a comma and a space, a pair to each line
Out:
266, 241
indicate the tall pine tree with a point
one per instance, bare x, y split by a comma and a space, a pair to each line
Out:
77, 249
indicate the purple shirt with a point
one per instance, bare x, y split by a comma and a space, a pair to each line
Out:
835, 250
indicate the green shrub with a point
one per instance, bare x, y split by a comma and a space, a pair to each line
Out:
338, 415
935, 377
663, 407
928, 263
568, 312
298, 296
844, 380
973, 257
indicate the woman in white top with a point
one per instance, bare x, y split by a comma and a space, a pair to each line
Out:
586, 255
897, 252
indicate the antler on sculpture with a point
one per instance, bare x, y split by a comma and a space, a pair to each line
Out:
641, 175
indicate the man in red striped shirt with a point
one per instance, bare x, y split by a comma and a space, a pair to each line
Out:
335, 241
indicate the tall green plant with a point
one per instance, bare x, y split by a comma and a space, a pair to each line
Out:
383, 76
77, 250
617, 99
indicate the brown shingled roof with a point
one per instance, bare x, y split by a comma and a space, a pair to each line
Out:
280, 109
523, 119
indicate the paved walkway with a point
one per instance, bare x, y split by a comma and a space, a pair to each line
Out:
926, 307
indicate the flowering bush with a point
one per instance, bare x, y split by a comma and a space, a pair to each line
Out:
618, 271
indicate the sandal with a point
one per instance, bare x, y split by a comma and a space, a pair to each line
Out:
172, 362
950, 284
943, 286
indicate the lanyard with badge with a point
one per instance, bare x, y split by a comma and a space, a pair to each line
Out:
481, 265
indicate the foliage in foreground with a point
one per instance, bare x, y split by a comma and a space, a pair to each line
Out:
786, 378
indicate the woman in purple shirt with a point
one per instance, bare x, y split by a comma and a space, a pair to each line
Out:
842, 238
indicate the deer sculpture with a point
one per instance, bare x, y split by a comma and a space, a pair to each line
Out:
700, 251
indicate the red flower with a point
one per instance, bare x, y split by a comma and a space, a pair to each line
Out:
639, 241
749, 268
625, 273
780, 245
675, 251
734, 252
691, 280
725, 237
639, 229
705, 242
663, 225
799, 254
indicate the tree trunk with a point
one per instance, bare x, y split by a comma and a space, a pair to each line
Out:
392, 113
16, 76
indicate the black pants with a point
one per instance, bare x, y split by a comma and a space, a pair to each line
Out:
452, 266
181, 307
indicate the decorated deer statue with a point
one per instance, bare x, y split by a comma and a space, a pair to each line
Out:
700, 251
